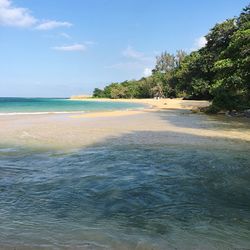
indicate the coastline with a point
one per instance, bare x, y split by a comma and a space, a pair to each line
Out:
163, 103
170, 121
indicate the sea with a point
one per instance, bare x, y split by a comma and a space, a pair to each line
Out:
122, 194
13, 105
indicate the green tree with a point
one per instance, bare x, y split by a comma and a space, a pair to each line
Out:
232, 79
179, 57
164, 63
98, 93
219, 71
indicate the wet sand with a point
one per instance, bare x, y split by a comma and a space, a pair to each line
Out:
171, 118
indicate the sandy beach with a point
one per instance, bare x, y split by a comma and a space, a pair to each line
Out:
156, 104
164, 121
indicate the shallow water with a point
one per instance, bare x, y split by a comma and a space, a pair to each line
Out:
125, 196
56, 105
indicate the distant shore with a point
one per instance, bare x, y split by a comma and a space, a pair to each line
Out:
156, 104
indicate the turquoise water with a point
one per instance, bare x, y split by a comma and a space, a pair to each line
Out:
37, 105
125, 196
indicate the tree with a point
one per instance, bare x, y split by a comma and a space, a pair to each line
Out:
98, 93
232, 76
219, 37
131, 89
157, 91
165, 62
180, 56
219, 71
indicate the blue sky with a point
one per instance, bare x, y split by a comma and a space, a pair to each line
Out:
64, 47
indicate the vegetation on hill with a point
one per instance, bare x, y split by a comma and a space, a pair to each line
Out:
220, 71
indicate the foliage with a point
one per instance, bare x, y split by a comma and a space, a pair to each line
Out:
165, 62
98, 93
219, 71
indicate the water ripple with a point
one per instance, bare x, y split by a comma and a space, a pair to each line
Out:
108, 197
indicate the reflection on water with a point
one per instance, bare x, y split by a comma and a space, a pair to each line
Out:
125, 197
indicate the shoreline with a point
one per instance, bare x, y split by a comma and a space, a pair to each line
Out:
163, 103
148, 105
164, 121
151, 105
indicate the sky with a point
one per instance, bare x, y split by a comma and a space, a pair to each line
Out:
59, 48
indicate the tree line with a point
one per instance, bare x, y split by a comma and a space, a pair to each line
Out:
219, 71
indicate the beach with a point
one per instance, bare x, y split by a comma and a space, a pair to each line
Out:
124, 125
173, 117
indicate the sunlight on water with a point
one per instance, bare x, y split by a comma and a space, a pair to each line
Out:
125, 197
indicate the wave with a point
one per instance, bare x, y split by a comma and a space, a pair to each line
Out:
42, 113
67, 112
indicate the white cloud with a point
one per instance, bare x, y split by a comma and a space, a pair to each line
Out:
147, 72
135, 62
50, 24
4, 3
129, 52
11, 15
199, 43
65, 35
90, 43
133, 55
15, 16
74, 47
